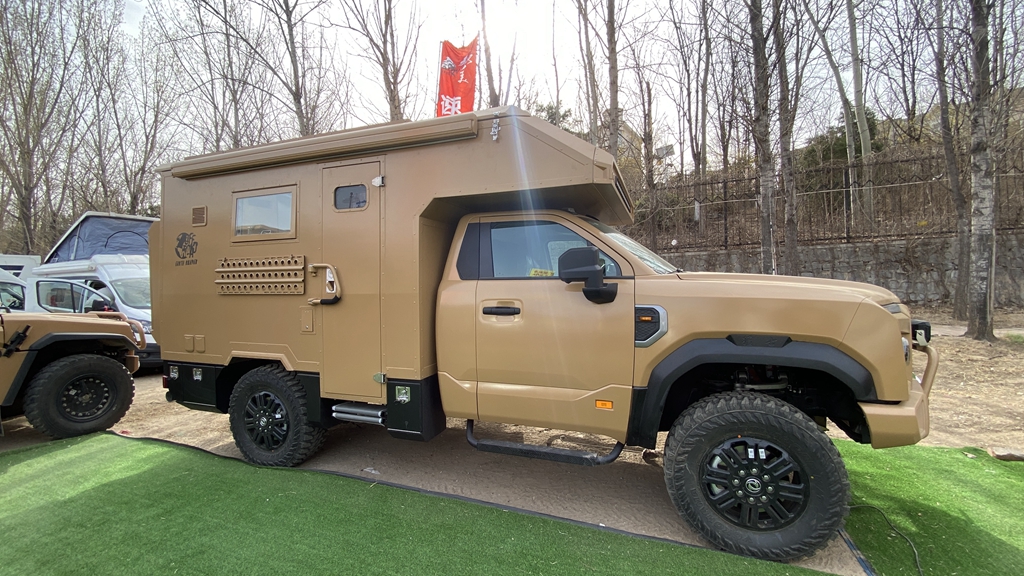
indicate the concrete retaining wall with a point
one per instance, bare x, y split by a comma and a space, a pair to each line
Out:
917, 270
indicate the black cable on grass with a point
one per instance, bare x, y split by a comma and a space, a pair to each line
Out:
917, 557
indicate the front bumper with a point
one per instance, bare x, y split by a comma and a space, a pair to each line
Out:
907, 422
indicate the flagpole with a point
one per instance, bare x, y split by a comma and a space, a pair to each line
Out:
437, 98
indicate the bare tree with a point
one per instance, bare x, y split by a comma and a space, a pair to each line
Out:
850, 117
787, 32
762, 135
979, 323
229, 96
614, 114
593, 96
392, 50
40, 90
493, 99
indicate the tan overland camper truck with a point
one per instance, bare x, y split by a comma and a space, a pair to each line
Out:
468, 267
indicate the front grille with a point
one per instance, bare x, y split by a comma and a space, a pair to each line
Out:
647, 322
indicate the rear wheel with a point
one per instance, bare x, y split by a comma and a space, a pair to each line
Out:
269, 415
78, 394
756, 476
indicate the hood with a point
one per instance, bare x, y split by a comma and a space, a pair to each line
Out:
799, 285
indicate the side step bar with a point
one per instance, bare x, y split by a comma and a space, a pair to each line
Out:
542, 452
360, 412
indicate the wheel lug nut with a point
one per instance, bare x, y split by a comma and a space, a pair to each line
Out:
771, 489
753, 470
735, 482
766, 477
764, 498
750, 500
739, 492
743, 473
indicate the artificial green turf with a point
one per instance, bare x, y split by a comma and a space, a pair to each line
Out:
965, 515
103, 504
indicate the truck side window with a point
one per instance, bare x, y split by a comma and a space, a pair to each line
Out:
531, 249
58, 296
265, 214
12, 296
350, 197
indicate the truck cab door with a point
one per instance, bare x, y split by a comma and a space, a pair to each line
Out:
546, 355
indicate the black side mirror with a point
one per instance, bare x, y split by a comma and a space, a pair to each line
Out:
584, 265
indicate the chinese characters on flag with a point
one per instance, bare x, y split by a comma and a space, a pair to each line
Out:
457, 83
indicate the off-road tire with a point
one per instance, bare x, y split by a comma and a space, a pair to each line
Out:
711, 440
269, 415
78, 395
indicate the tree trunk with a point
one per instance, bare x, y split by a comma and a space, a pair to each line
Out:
786, 120
963, 222
867, 203
848, 115
493, 100
613, 83
762, 136
979, 323
589, 70
706, 32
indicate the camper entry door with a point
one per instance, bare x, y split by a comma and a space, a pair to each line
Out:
351, 328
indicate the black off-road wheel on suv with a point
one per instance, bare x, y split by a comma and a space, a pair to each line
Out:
756, 476
269, 415
78, 395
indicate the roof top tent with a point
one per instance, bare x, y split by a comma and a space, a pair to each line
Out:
102, 233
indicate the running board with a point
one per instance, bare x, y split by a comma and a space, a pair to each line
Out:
541, 452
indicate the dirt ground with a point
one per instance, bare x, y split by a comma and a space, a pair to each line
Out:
977, 400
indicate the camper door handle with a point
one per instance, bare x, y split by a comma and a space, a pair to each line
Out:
331, 285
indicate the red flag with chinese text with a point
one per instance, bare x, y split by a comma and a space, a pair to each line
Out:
457, 84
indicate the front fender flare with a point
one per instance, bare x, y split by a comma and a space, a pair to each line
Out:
649, 402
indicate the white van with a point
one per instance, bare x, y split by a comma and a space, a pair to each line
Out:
124, 279
50, 295
18, 264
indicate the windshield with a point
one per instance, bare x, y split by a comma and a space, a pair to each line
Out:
12, 296
656, 263
133, 292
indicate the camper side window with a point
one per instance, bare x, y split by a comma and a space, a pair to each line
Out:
265, 214
350, 197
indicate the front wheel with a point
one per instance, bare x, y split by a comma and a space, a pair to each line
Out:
78, 394
269, 416
756, 476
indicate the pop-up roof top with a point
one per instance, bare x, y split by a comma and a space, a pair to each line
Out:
102, 233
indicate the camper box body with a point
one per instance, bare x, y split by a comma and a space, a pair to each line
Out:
325, 253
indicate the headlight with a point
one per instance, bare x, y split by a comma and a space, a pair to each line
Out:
147, 326
906, 350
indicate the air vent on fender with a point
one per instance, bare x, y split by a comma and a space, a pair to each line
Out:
651, 323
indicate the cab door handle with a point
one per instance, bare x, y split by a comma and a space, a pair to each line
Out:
502, 310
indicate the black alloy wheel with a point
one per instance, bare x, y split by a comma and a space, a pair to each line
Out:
269, 416
754, 484
266, 420
78, 394
755, 476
